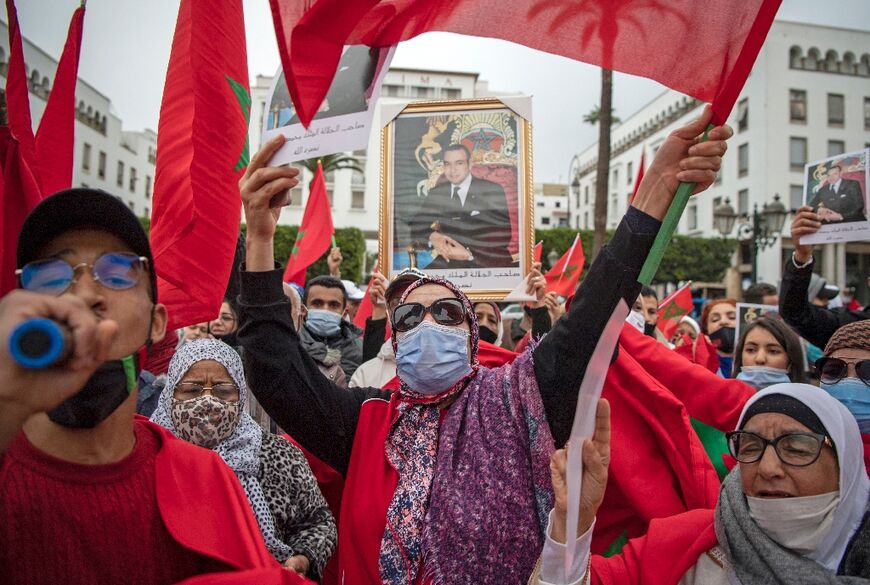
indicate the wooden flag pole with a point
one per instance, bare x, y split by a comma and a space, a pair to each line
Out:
669, 226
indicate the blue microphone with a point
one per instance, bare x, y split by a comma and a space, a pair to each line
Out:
40, 343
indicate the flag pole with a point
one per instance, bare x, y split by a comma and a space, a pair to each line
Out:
669, 226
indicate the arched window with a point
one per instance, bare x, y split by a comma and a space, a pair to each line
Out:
832, 61
96, 119
90, 112
46, 86
847, 65
81, 106
796, 57
812, 60
35, 78
864, 65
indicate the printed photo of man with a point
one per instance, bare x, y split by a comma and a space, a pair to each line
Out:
839, 200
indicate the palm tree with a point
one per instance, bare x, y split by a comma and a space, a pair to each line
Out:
604, 117
332, 162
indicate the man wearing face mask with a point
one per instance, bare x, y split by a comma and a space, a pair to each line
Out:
331, 341
86, 486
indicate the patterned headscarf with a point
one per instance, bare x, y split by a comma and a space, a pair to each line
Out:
241, 450
411, 448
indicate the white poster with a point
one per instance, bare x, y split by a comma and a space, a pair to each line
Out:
836, 189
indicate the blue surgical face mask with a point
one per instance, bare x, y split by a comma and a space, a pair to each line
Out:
854, 395
761, 377
431, 358
323, 323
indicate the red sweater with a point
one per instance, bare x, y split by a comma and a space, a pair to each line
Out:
70, 523
168, 511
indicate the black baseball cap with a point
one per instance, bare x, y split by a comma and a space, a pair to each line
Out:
83, 208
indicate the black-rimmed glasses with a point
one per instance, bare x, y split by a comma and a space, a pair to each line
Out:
831, 370
795, 449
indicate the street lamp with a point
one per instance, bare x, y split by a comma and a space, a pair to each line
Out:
575, 191
553, 257
761, 230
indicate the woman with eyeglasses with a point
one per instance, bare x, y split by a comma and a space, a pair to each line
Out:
205, 403
446, 479
794, 511
844, 373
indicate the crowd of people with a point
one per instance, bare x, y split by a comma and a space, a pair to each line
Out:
280, 443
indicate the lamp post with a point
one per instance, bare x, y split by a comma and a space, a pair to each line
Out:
761, 229
575, 186
553, 257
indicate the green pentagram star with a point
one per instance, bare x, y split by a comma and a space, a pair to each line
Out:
674, 311
295, 251
244, 99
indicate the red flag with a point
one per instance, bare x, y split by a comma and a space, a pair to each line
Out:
55, 139
365, 306
640, 171
700, 351
20, 190
202, 150
315, 232
673, 308
563, 277
703, 48
658, 466
539, 249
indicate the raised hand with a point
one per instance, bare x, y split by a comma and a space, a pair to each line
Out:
805, 223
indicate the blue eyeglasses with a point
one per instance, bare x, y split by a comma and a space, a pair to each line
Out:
113, 270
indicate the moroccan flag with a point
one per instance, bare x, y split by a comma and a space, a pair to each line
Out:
315, 233
539, 249
202, 151
673, 308
658, 466
562, 278
640, 171
20, 190
55, 139
703, 48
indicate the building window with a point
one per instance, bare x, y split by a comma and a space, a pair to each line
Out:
798, 105
718, 179
358, 178
101, 166
391, 90
743, 115
450, 93
795, 196
545, 221
743, 202
152, 152
329, 178
357, 199
615, 176
558, 204
836, 147
132, 179
131, 205
147, 212
86, 157
585, 219
586, 195
743, 160
147, 187
836, 109
717, 201
296, 197
540, 203
423, 92
867, 113
629, 173
693, 217
120, 180
797, 153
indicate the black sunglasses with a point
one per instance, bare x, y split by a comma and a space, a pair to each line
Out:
445, 312
831, 370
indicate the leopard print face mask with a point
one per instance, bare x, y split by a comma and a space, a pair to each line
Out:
204, 421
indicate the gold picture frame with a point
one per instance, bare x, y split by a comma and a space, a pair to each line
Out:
457, 193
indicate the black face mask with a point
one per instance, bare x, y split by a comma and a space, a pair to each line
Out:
101, 395
488, 335
649, 329
723, 339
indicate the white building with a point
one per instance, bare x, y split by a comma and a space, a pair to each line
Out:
355, 196
807, 98
106, 156
551, 205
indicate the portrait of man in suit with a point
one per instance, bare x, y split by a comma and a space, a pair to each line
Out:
839, 200
463, 220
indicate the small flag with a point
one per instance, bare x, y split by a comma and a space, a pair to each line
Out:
315, 234
539, 249
563, 277
673, 308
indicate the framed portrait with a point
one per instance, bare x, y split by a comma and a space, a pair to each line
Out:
836, 189
457, 193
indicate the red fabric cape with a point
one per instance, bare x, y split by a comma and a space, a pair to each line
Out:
190, 482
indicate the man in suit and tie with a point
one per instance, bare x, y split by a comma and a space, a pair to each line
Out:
464, 220
839, 200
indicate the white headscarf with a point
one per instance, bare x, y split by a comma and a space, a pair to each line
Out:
854, 485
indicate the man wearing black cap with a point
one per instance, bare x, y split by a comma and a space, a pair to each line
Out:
90, 493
